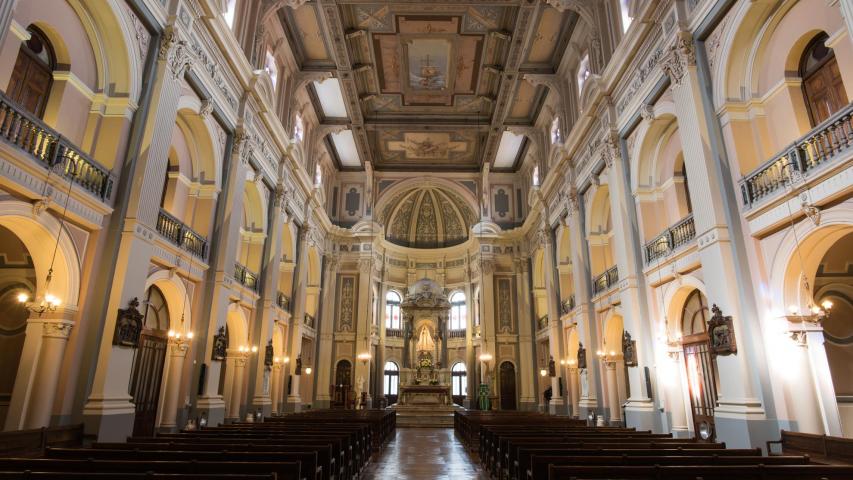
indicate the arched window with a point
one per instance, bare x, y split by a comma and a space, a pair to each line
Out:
271, 67
583, 71
392, 310
156, 311
694, 314
458, 312
298, 128
535, 177
459, 377
555, 131
230, 12
626, 14
318, 176
392, 378
822, 85
32, 76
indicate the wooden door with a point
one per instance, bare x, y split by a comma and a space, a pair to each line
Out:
32, 75
507, 386
701, 385
822, 85
146, 379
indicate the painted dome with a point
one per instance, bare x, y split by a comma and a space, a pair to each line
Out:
427, 217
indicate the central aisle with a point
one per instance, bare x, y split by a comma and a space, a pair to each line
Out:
424, 453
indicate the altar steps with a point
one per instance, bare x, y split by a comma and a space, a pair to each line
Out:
435, 416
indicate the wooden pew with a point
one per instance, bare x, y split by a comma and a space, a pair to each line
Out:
281, 470
714, 472
822, 448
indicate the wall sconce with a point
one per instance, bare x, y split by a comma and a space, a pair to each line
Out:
285, 360
47, 303
485, 357
180, 337
543, 372
364, 357
247, 349
307, 370
562, 362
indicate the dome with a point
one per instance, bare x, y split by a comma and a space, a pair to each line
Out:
427, 217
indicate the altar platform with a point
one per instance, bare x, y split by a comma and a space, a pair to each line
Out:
425, 406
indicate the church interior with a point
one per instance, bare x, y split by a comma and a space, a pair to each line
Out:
464, 239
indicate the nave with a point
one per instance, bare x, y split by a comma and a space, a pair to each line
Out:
425, 453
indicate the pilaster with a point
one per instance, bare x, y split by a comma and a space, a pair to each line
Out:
300, 297
526, 361
326, 334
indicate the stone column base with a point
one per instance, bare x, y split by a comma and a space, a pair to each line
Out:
109, 420
746, 429
213, 406
642, 415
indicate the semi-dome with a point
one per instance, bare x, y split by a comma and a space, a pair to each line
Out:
427, 217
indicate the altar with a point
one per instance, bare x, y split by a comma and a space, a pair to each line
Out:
424, 395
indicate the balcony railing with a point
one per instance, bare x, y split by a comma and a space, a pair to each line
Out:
460, 333
45, 145
668, 241
394, 332
309, 321
283, 302
567, 305
246, 277
822, 144
542, 322
181, 235
605, 281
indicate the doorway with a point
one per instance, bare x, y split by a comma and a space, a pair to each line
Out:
507, 386
700, 365
148, 364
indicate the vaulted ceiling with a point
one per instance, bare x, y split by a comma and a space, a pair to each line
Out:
428, 85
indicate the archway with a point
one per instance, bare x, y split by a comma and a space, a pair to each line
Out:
699, 362
343, 384
147, 373
17, 277
506, 382
615, 373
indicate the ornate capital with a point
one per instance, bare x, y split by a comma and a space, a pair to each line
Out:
178, 348
57, 329
610, 151
488, 267
175, 52
680, 56
647, 112
364, 265
206, 108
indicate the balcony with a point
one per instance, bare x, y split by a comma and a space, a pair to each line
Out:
181, 235
46, 146
309, 321
567, 305
246, 277
460, 333
670, 240
394, 332
823, 144
605, 281
542, 322
283, 302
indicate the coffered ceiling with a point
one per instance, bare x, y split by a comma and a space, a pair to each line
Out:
428, 85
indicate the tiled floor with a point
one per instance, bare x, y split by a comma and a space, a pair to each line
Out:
424, 453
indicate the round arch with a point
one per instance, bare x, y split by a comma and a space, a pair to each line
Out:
238, 326
614, 326
175, 293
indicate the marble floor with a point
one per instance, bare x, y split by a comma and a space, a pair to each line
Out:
424, 453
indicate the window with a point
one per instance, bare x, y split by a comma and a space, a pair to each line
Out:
298, 128
32, 75
555, 131
627, 17
392, 310
535, 177
318, 176
392, 378
822, 86
458, 311
271, 67
583, 71
230, 12
459, 379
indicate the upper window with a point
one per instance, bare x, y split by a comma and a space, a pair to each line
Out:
271, 67
625, 10
535, 176
230, 12
298, 128
318, 175
583, 71
458, 311
392, 310
392, 378
822, 85
32, 75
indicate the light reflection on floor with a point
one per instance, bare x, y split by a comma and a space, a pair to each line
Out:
424, 453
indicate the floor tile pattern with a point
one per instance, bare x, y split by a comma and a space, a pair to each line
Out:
424, 454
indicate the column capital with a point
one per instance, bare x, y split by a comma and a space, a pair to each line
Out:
175, 52
681, 55
56, 329
178, 348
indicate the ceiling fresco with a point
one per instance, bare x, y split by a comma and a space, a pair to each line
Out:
427, 217
431, 85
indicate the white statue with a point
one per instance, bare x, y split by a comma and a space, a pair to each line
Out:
584, 383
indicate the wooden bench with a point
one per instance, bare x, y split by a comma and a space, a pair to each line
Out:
715, 472
281, 470
31, 443
822, 448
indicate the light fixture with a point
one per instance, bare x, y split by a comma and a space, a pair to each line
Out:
563, 362
254, 349
286, 360
543, 372
307, 370
364, 357
46, 303
485, 357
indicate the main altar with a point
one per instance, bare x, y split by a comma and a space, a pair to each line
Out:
425, 392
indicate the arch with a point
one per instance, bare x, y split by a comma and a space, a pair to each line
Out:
238, 326
459, 379
614, 326
343, 373
176, 295
674, 297
507, 379
35, 233
391, 193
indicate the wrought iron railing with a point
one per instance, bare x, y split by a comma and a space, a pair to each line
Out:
309, 320
45, 145
823, 143
567, 305
283, 302
542, 322
459, 333
394, 332
673, 237
605, 281
246, 277
181, 235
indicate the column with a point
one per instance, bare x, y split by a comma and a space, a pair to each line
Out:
584, 312
556, 405
362, 331
7, 11
379, 391
640, 408
109, 413
35, 386
846, 7
177, 353
235, 400
574, 394
470, 362
261, 398
612, 392
228, 387
326, 333
275, 382
823, 389
487, 324
728, 284
674, 393
300, 297
527, 364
